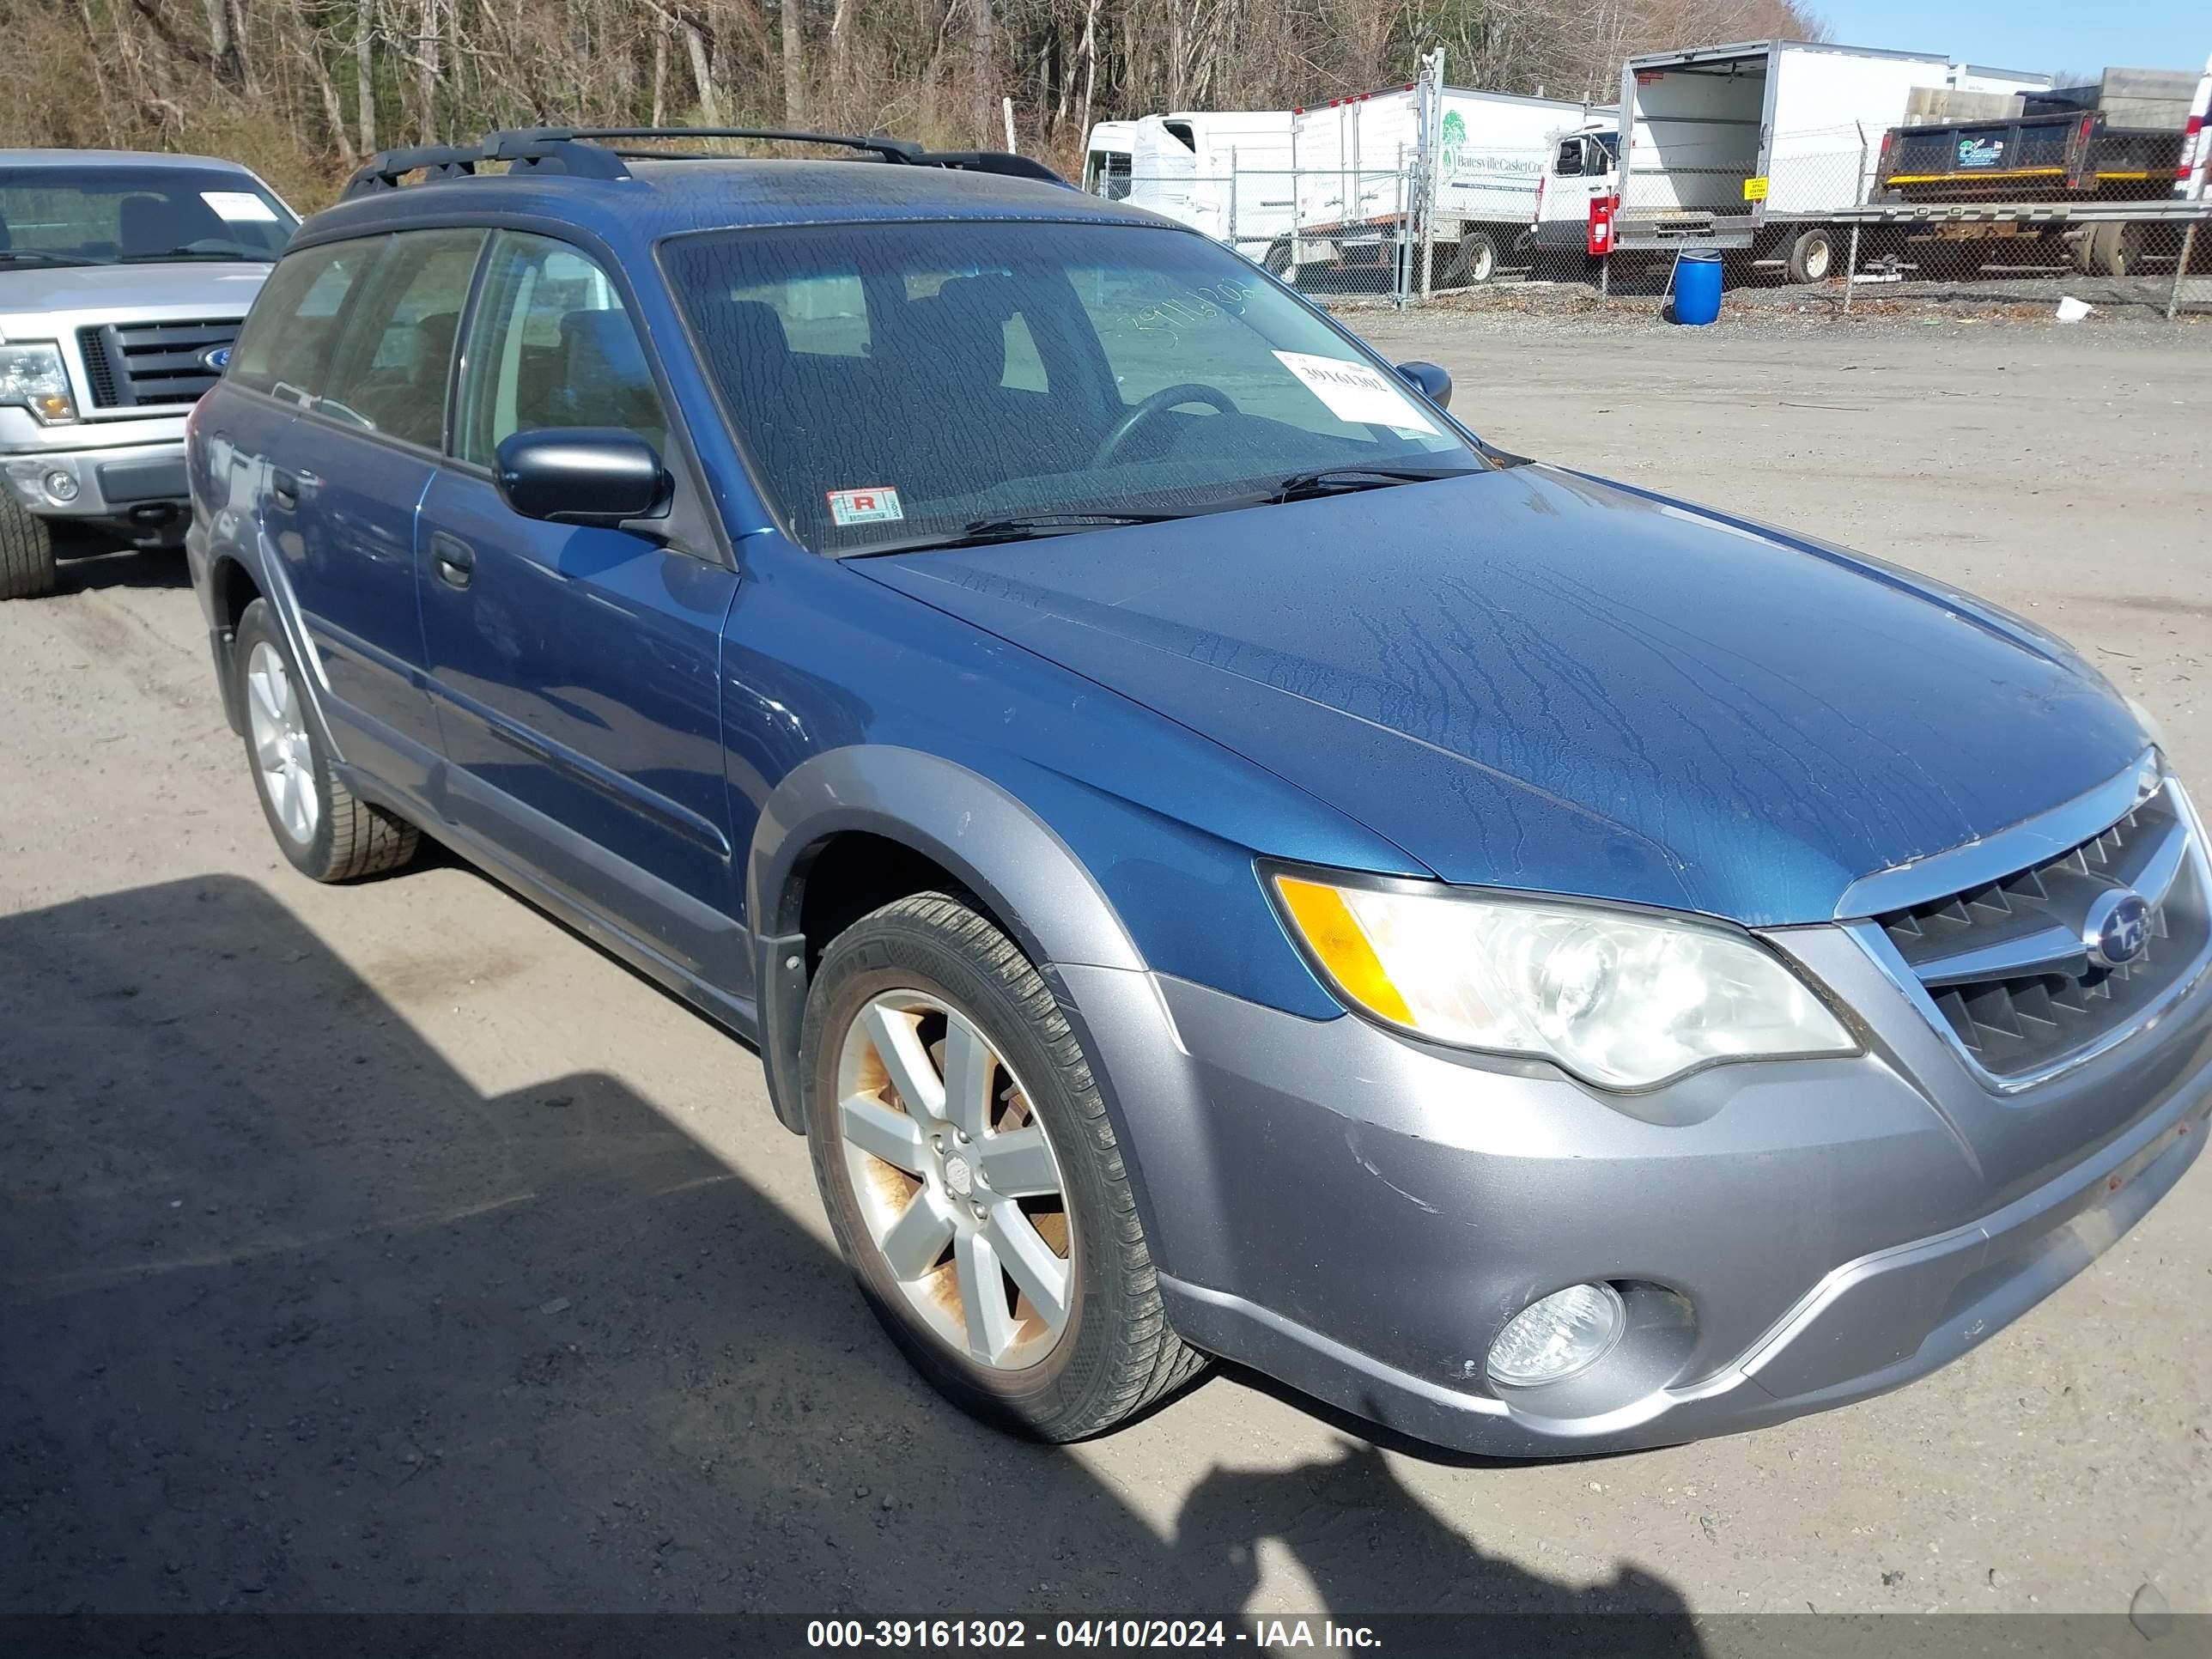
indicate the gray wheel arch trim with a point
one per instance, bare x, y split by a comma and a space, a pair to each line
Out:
994, 846
999, 850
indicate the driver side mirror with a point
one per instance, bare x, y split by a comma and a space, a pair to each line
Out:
581, 475
1430, 380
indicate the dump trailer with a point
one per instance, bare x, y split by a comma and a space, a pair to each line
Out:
2118, 141
1767, 145
1448, 169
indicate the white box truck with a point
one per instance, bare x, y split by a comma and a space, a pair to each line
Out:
1424, 165
1226, 172
1759, 145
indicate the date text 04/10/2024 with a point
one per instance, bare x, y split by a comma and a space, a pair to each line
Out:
980, 1634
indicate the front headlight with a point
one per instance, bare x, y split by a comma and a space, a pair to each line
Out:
32, 377
1622, 999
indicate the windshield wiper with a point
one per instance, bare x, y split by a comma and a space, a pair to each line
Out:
179, 255
1342, 480
1028, 527
12, 255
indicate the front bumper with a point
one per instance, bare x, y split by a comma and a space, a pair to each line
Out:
116, 482
1361, 1217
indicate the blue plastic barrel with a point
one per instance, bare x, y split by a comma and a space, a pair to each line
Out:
1697, 287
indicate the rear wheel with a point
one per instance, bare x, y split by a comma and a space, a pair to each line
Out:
2116, 249
26, 554
1474, 261
1811, 256
321, 826
973, 1180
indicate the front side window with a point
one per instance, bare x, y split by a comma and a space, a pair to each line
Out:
1570, 164
125, 214
286, 343
1028, 369
552, 346
396, 354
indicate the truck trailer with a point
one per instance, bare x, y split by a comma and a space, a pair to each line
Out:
1447, 169
1767, 145
1225, 171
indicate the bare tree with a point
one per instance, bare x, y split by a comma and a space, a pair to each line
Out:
794, 64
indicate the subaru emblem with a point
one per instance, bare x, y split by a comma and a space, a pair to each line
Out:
2117, 927
217, 357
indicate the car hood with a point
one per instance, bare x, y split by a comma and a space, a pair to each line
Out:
27, 294
1527, 678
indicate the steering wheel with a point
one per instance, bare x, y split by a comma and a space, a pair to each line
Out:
1167, 398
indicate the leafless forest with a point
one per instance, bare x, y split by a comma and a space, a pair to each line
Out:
301, 89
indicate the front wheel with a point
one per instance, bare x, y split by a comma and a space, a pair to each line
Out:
26, 554
973, 1180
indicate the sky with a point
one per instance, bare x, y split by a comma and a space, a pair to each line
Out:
2046, 35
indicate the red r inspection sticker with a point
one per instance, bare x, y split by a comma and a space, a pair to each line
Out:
864, 506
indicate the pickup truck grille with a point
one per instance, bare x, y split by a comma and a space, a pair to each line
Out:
2006, 963
152, 365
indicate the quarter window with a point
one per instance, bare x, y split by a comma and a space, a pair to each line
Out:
396, 355
552, 346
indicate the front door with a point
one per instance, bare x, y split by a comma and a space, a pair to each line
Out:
575, 669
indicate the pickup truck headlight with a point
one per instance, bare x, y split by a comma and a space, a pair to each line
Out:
32, 377
1623, 999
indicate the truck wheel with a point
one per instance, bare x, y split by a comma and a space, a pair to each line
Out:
1278, 260
2115, 249
327, 833
26, 554
973, 1179
1811, 256
1474, 261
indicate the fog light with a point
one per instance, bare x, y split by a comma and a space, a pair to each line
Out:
1567, 1332
61, 485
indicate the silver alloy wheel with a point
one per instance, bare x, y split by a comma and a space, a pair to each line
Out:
957, 1180
284, 753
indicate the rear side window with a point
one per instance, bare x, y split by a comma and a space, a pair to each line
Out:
287, 342
396, 355
552, 346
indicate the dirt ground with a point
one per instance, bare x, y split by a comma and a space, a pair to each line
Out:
389, 1249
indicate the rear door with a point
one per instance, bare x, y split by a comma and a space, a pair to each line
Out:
575, 669
342, 492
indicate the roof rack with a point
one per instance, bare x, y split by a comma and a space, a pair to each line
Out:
601, 152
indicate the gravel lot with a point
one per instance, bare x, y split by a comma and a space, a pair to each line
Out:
388, 1247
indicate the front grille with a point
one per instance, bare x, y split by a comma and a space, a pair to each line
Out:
2006, 964
152, 365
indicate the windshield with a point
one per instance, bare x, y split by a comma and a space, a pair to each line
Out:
899, 382
120, 215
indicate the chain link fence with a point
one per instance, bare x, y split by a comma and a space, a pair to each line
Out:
2022, 211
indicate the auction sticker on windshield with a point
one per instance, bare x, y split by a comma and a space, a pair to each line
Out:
864, 506
1355, 393
240, 206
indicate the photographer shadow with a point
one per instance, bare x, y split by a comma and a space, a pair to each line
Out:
297, 1320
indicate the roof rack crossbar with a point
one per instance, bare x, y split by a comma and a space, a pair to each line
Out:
891, 149
601, 152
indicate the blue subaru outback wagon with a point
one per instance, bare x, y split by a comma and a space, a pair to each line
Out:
1216, 859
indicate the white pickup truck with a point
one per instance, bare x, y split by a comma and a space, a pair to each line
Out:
122, 280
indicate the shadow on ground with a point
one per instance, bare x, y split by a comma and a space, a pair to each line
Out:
90, 558
295, 1320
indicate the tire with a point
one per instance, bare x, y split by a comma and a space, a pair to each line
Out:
929, 973
327, 833
1474, 261
1811, 256
1278, 260
2115, 249
26, 554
